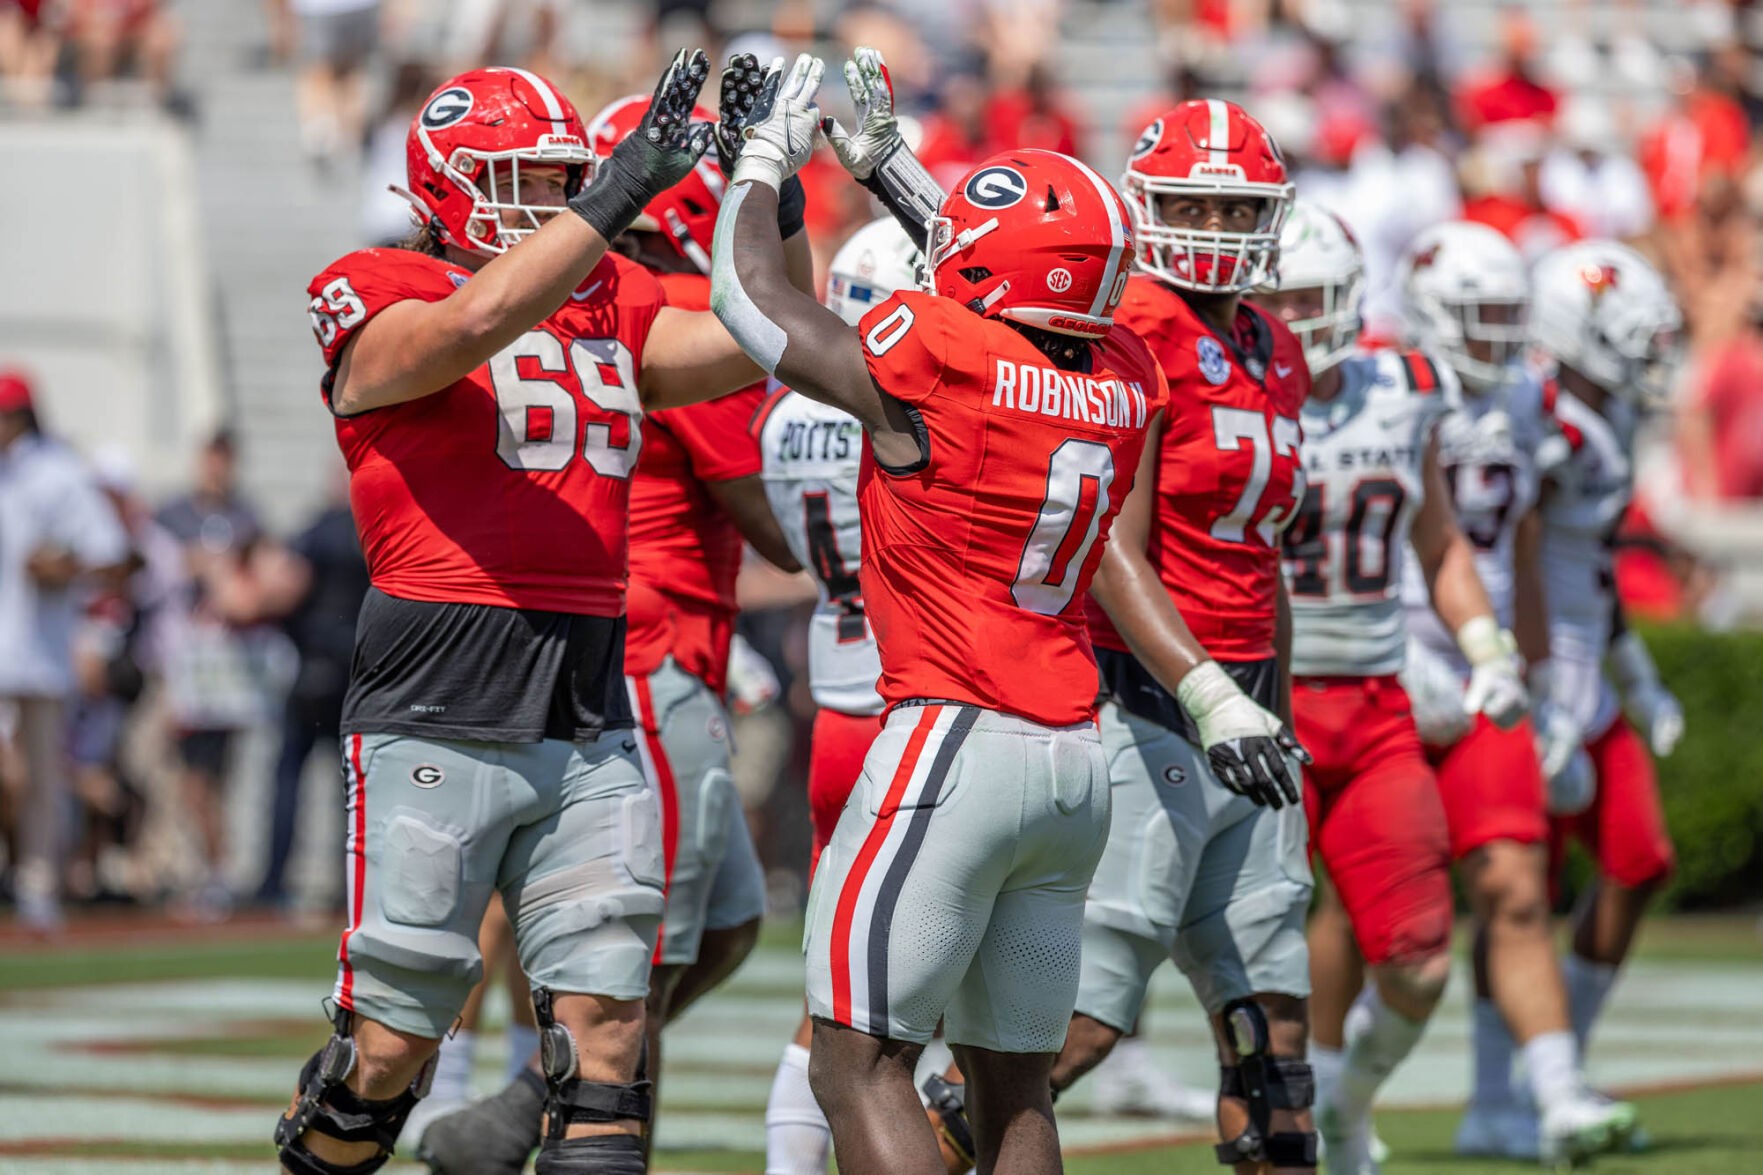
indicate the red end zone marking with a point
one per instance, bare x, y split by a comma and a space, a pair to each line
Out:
853, 887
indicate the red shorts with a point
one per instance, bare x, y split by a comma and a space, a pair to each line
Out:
1492, 786
835, 762
1624, 829
1375, 814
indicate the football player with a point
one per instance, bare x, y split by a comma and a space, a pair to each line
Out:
486, 387
1610, 329
694, 496
1004, 414
1466, 295
1373, 481
812, 453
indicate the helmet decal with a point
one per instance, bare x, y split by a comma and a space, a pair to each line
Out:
446, 108
1599, 278
1059, 280
1148, 138
1213, 365
996, 187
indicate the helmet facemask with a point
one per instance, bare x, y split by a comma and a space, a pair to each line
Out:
1451, 325
500, 217
1330, 334
1206, 260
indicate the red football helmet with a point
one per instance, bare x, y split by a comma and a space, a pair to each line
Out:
1208, 147
686, 213
468, 127
1036, 237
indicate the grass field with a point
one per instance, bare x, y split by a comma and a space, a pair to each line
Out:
168, 1052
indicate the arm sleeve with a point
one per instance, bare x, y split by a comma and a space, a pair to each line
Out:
350, 291
716, 434
908, 344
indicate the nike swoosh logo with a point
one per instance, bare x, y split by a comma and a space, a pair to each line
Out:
630, 745
584, 295
1281, 370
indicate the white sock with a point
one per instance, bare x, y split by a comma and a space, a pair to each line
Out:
1588, 986
1373, 1053
452, 1082
1325, 1063
1493, 1045
523, 1042
797, 1138
1552, 1061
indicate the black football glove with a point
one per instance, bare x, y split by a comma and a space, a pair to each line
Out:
743, 81
1251, 752
660, 153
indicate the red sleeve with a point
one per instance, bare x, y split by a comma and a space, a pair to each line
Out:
908, 342
715, 434
351, 290
688, 291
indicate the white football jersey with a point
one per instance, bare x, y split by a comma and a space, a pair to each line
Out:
1495, 449
1584, 499
812, 453
1363, 454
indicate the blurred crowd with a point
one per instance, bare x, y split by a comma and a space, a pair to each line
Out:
188, 625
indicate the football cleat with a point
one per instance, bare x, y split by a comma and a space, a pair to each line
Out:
1573, 1131
1347, 1148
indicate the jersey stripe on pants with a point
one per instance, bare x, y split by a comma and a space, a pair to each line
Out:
865, 912
356, 876
660, 771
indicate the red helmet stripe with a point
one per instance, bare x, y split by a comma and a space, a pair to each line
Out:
1116, 236
1218, 136
553, 108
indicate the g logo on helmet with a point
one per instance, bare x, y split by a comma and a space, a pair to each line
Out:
1213, 365
995, 187
1059, 280
446, 108
1148, 139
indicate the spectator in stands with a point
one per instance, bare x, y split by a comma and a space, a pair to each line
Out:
1512, 90
1502, 181
212, 682
1031, 115
57, 531
337, 37
385, 215
478, 33
112, 37
1704, 138
326, 580
1589, 178
29, 48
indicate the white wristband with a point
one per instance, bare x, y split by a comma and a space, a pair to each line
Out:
1483, 641
1205, 688
756, 165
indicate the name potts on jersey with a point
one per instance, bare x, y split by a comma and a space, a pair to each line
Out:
1363, 457
1494, 448
977, 558
812, 454
1229, 479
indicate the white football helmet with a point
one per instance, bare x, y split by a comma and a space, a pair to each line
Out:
1604, 311
1464, 283
1317, 250
878, 259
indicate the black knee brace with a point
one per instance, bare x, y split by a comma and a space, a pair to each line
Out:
1267, 1083
949, 1100
327, 1106
570, 1099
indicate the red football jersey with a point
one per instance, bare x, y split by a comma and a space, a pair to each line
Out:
1229, 475
975, 567
685, 552
512, 486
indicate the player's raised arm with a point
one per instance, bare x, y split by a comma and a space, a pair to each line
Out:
415, 348
1447, 560
784, 330
1245, 744
877, 155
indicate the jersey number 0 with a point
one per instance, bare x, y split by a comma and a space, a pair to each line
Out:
1078, 476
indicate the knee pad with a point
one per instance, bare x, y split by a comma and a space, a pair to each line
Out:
327, 1106
1267, 1083
599, 1154
569, 1098
948, 1101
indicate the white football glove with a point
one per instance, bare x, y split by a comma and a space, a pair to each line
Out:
1496, 680
878, 131
1436, 692
1572, 789
1251, 752
1653, 709
780, 135
752, 681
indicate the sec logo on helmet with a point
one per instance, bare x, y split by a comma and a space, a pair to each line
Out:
446, 108
1059, 280
995, 187
1213, 365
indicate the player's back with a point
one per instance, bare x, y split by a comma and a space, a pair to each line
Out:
510, 487
1363, 456
812, 455
977, 558
1587, 493
1493, 449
